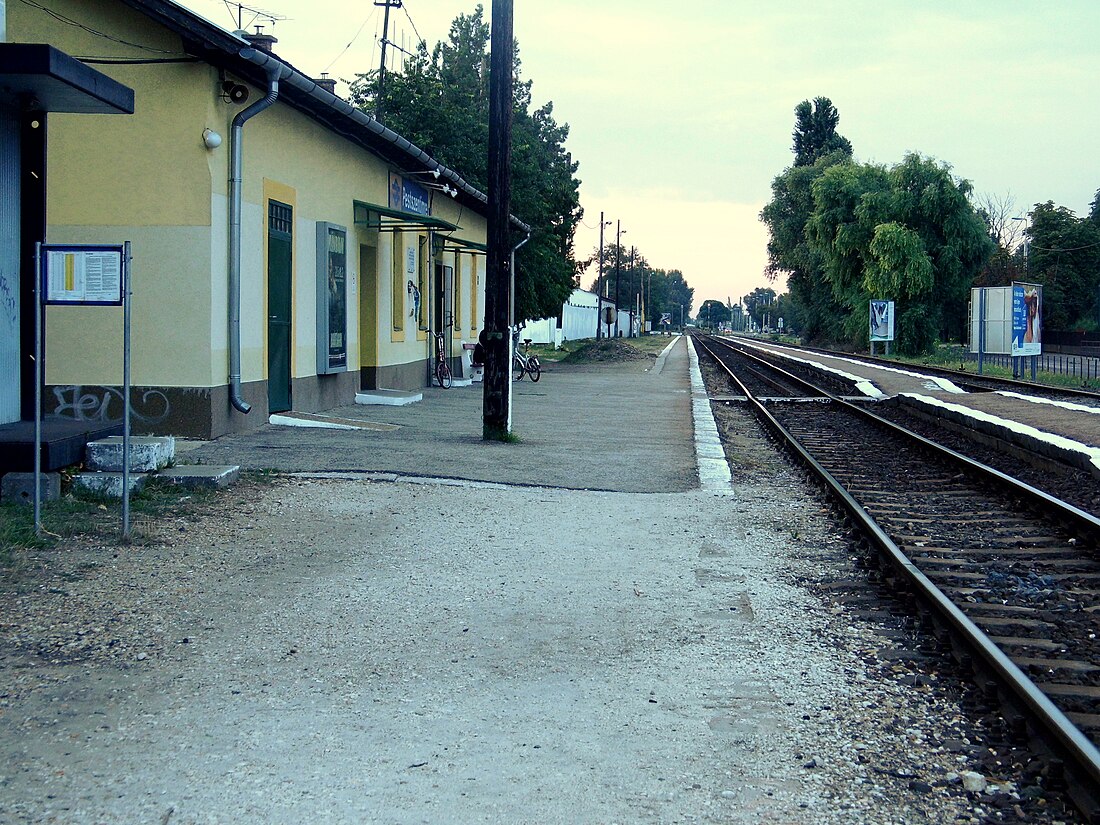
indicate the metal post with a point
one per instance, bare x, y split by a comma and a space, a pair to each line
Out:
981, 329
496, 406
618, 247
37, 388
599, 284
126, 393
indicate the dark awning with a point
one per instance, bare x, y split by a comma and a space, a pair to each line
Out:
374, 216
459, 245
38, 77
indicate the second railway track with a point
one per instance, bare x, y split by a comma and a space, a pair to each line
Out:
1011, 566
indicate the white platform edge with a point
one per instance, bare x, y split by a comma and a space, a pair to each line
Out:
714, 470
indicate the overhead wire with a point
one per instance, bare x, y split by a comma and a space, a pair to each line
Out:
95, 32
355, 37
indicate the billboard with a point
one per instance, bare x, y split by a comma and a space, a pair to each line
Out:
1027, 319
882, 321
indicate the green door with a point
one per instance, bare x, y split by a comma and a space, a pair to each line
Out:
279, 259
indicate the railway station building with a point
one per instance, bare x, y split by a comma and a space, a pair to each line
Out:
289, 251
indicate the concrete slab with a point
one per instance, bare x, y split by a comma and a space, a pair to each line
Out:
388, 398
20, 487
108, 484
200, 476
147, 453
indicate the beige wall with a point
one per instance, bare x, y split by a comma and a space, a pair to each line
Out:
149, 179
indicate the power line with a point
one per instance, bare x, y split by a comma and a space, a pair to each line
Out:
355, 37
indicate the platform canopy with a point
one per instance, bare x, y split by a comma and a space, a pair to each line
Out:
37, 77
375, 216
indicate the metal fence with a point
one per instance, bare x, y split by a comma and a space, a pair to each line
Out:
1085, 368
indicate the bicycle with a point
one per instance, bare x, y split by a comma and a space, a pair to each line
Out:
442, 368
524, 362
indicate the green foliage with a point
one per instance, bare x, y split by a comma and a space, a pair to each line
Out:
440, 102
815, 132
817, 148
712, 313
1064, 256
908, 233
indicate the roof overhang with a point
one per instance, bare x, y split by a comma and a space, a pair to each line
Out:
37, 77
384, 219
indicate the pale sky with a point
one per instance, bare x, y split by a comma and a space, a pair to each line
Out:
681, 114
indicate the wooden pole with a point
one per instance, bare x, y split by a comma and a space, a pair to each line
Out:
496, 409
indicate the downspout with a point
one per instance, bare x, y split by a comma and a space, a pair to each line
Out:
236, 163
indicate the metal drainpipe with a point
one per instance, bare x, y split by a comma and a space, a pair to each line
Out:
236, 163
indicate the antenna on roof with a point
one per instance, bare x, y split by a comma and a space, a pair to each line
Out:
239, 10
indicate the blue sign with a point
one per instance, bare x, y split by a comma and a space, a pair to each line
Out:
1026, 319
408, 196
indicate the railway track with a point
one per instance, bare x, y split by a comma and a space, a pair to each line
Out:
1009, 574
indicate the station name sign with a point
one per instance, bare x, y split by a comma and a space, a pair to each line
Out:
408, 196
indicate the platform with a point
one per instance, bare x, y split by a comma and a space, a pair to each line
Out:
1065, 431
63, 443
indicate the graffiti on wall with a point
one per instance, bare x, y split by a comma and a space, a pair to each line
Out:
95, 404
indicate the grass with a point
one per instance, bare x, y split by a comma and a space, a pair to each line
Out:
97, 519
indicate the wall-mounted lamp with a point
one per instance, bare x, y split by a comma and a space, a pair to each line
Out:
211, 139
444, 188
433, 172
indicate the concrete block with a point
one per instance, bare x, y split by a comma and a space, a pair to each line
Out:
108, 484
147, 453
204, 476
388, 398
20, 487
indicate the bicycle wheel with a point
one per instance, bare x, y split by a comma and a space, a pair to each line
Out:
517, 368
534, 368
443, 375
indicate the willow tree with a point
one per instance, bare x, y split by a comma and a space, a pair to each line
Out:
907, 233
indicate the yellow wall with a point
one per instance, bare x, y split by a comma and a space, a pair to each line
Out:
148, 178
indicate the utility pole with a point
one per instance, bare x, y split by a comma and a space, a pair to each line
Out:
599, 283
497, 399
389, 4
618, 249
639, 300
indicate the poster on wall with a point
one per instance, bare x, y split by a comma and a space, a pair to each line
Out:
1027, 319
882, 321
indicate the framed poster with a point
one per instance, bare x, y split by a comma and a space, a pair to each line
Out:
1027, 319
82, 274
882, 321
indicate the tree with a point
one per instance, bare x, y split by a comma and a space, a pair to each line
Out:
440, 103
817, 147
1064, 256
712, 313
1006, 230
909, 233
815, 133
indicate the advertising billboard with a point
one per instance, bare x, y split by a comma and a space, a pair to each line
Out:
1027, 319
882, 321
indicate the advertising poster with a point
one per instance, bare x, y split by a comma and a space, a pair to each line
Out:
1027, 319
882, 321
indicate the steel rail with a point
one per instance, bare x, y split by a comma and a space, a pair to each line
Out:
1062, 737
